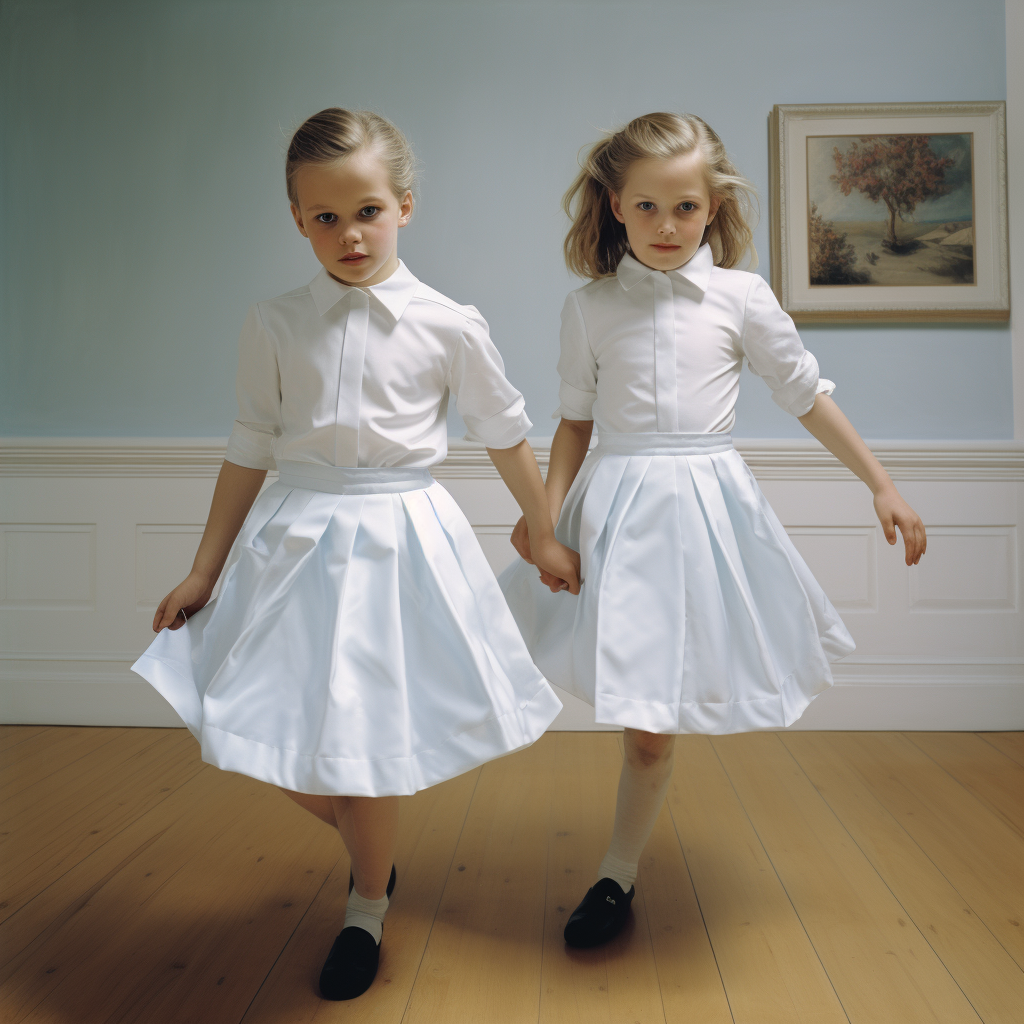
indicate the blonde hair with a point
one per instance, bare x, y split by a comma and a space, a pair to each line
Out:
336, 133
596, 242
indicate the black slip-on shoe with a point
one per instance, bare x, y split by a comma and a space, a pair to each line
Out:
351, 965
600, 916
391, 882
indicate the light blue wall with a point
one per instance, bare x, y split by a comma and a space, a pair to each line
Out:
143, 206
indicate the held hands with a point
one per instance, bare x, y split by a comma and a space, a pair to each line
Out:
559, 566
183, 601
893, 511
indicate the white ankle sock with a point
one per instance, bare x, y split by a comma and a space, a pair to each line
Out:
641, 793
366, 914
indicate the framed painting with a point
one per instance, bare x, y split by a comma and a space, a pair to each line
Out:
889, 211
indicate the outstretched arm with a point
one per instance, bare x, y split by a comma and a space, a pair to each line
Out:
828, 424
233, 496
519, 470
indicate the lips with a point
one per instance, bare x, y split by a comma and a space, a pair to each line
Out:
354, 257
664, 247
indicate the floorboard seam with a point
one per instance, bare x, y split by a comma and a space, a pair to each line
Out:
779, 877
696, 896
455, 849
926, 855
95, 851
287, 941
543, 927
25, 739
881, 877
982, 801
88, 753
998, 750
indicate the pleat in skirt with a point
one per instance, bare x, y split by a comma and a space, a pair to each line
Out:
359, 646
697, 613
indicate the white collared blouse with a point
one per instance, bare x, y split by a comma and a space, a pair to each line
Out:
343, 376
650, 351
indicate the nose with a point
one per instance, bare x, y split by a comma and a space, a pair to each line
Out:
666, 227
350, 233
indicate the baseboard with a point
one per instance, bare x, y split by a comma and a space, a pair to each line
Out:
924, 707
981, 703
84, 698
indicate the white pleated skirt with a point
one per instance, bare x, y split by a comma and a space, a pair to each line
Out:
360, 644
697, 613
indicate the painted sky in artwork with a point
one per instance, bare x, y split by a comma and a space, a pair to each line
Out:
833, 205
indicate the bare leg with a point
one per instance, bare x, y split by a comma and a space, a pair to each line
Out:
343, 816
369, 827
321, 806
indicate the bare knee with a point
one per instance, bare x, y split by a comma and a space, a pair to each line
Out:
646, 749
318, 805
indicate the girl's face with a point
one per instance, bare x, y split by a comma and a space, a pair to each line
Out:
665, 207
351, 217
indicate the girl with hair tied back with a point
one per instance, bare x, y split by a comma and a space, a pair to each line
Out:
360, 648
696, 613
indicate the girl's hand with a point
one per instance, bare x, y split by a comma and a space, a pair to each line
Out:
521, 540
893, 511
183, 601
559, 566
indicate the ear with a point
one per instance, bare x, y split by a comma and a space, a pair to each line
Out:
613, 201
716, 202
297, 216
405, 210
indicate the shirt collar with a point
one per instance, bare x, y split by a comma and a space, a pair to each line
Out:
394, 293
697, 270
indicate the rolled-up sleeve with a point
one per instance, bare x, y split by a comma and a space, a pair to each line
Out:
258, 388
493, 410
775, 352
577, 367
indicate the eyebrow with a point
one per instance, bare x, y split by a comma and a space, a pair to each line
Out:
365, 201
685, 197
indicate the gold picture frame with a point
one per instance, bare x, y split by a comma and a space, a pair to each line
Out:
889, 212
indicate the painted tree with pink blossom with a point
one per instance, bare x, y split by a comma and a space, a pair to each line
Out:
898, 170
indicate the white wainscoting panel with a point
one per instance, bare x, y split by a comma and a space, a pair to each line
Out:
48, 566
93, 533
844, 560
163, 558
970, 569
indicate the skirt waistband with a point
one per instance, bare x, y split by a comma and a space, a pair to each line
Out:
662, 444
353, 479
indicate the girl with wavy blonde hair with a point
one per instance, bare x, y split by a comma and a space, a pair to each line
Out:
597, 241
696, 613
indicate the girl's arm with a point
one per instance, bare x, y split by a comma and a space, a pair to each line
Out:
828, 424
233, 496
568, 450
519, 470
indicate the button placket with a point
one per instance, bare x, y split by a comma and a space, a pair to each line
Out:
666, 398
350, 383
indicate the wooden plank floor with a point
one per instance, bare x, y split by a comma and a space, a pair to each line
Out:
798, 878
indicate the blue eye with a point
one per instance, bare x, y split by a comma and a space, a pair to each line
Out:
645, 206
369, 211
326, 218
687, 207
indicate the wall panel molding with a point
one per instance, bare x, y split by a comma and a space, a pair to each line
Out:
940, 645
797, 459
